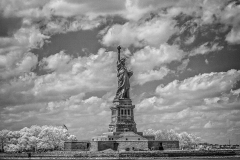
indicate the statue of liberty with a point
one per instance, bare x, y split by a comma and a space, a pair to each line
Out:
123, 78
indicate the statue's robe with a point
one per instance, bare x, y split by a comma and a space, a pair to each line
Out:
123, 81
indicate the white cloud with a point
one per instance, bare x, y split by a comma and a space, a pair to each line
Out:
57, 62
16, 63
228, 101
233, 37
204, 85
22, 8
205, 49
151, 57
194, 103
73, 112
152, 33
73, 75
18, 91
30, 37
183, 66
151, 75
208, 125
15, 56
62, 25
206, 61
149, 63
133, 10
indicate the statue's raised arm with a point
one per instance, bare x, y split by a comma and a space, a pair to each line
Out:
119, 50
123, 78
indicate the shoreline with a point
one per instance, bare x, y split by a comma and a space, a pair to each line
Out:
135, 158
177, 154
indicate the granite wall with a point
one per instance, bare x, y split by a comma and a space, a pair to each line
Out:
77, 145
120, 145
132, 145
103, 145
163, 145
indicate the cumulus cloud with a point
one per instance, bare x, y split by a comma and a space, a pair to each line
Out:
151, 75
72, 112
57, 62
14, 52
61, 25
152, 33
194, 103
154, 61
17, 91
16, 63
151, 57
208, 125
69, 76
233, 37
204, 85
82, 74
206, 48
134, 11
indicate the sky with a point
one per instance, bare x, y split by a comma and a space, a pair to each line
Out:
58, 64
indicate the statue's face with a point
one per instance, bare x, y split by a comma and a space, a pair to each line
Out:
123, 61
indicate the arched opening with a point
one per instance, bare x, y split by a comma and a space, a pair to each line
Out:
126, 129
160, 146
115, 146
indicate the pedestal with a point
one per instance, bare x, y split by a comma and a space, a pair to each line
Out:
122, 119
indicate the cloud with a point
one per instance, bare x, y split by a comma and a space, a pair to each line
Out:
208, 125
152, 33
57, 62
151, 57
183, 66
206, 61
71, 112
154, 61
227, 101
193, 104
68, 76
205, 49
17, 91
16, 63
151, 75
134, 11
204, 85
24, 8
14, 52
74, 75
61, 25
233, 37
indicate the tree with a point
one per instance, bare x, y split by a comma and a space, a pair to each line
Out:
11, 148
35, 138
185, 139
3, 138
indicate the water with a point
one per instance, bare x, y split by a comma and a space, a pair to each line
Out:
160, 158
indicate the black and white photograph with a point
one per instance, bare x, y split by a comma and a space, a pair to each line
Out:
120, 79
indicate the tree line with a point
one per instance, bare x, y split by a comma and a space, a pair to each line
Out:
35, 138
49, 138
186, 140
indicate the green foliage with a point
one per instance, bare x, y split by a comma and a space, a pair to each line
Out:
35, 138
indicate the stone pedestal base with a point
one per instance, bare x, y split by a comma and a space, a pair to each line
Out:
122, 119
